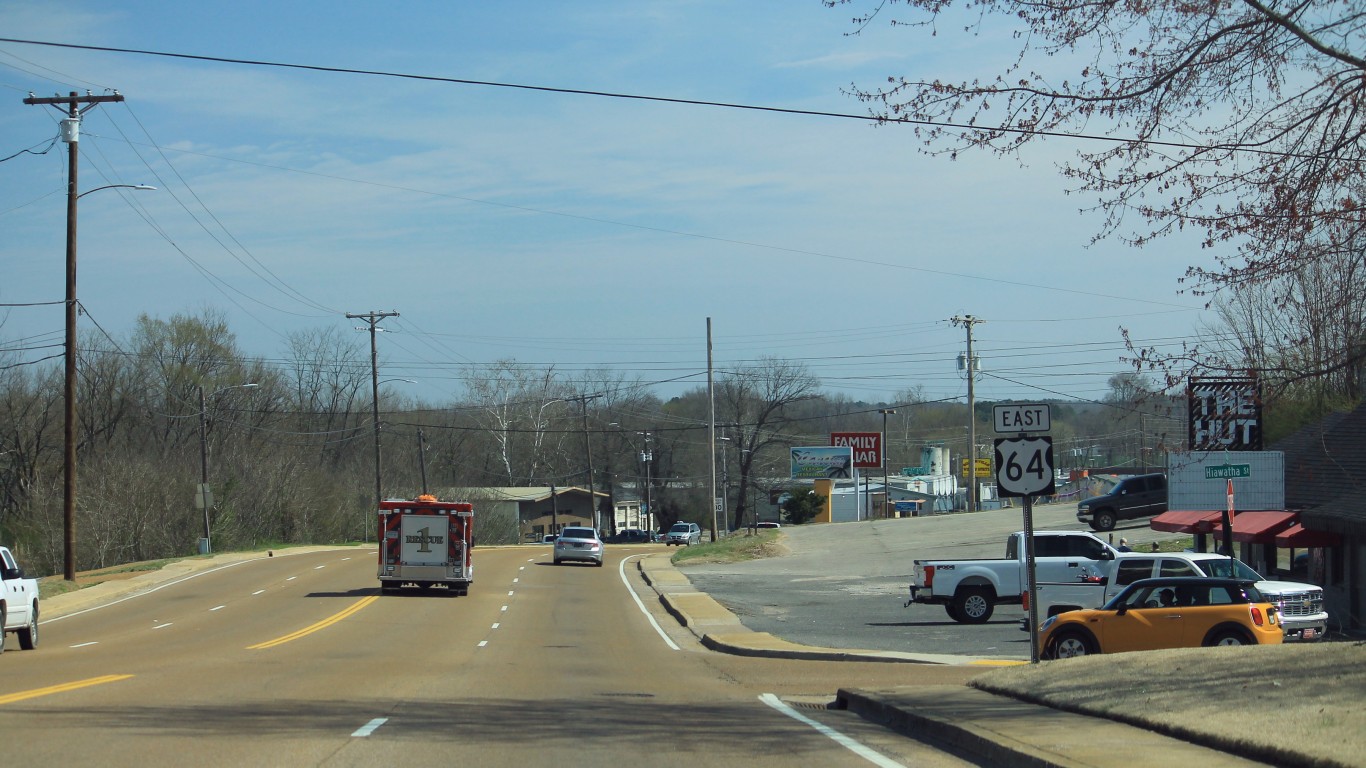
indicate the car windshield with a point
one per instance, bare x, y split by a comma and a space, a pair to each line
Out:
578, 533
1228, 568
679, 528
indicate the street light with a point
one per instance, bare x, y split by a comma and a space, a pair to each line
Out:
379, 495
725, 481
71, 135
886, 491
206, 498
647, 456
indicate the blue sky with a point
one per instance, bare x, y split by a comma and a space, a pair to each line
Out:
554, 228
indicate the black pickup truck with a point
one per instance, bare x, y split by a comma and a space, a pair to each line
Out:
1133, 497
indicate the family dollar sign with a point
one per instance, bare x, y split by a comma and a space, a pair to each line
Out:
867, 447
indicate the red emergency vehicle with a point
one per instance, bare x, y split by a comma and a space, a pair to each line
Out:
426, 543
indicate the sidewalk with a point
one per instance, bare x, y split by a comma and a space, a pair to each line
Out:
997, 728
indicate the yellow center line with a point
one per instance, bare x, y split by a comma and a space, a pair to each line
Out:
64, 687
315, 627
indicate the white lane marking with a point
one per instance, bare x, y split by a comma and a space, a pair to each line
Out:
483, 643
258, 592
218, 608
291, 578
511, 593
163, 626
171, 583
514, 581
521, 567
621, 569
495, 625
369, 727
844, 741
319, 567
82, 645
344, 559
504, 608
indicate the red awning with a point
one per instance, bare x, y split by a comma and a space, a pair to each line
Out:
1297, 536
1186, 521
1262, 525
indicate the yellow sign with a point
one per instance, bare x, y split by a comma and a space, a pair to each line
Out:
983, 468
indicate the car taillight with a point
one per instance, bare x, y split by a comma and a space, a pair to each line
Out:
1024, 600
1257, 616
929, 576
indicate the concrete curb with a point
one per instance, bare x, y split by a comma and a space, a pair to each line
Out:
998, 729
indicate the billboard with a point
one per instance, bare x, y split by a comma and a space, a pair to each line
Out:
822, 462
1225, 414
867, 447
1200, 480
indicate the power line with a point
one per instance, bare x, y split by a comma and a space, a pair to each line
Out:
903, 120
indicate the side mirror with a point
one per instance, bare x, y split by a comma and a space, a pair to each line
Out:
1105, 581
1107, 555
12, 573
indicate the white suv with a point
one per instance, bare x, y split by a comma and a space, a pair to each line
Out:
683, 534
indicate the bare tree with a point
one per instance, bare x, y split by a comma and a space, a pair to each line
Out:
754, 402
1239, 119
512, 401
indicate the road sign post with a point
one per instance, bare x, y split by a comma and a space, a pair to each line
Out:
1024, 468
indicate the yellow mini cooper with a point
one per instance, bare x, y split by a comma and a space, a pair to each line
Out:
1149, 614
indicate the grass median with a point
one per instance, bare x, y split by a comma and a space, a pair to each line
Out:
735, 548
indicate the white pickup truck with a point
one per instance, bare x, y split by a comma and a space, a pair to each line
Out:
18, 603
970, 589
1300, 605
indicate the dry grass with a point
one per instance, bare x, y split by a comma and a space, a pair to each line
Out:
735, 548
1296, 704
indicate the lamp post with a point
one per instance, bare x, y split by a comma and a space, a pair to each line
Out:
725, 481
886, 491
374, 407
206, 498
647, 456
69, 390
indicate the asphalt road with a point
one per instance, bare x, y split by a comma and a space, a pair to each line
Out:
297, 660
845, 585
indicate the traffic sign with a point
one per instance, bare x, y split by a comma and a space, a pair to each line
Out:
1024, 466
980, 467
1228, 471
1021, 417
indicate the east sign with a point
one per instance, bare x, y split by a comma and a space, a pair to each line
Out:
1021, 417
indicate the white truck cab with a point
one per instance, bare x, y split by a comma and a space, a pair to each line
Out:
18, 603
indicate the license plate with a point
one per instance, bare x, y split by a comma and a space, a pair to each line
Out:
1309, 634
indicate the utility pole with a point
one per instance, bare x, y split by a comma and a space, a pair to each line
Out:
372, 319
967, 321
71, 133
886, 489
711, 432
588, 454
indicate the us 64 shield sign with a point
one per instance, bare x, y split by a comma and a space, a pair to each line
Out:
1024, 466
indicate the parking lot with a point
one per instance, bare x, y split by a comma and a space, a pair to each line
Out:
844, 585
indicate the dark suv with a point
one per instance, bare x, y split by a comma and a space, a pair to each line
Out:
1137, 496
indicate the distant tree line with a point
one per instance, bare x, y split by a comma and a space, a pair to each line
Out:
289, 447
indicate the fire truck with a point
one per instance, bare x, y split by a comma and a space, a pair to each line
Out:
426, 543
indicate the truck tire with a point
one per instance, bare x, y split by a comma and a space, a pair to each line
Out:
28, 635
973, 605
1103, 520
952, 612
